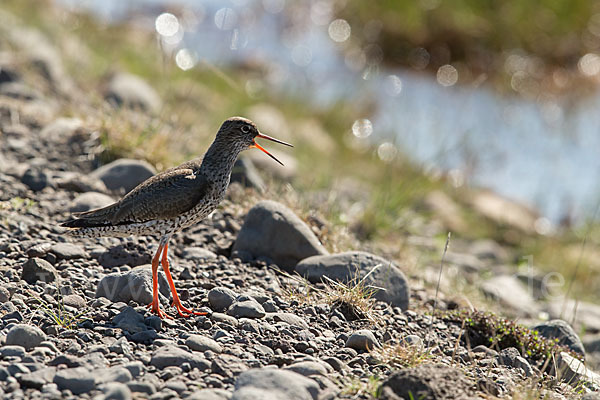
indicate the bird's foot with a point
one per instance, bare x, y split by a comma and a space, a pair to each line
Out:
155, 309
185, 312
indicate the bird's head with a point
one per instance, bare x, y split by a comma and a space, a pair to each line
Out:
242, 133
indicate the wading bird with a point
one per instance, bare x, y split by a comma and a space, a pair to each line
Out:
174, 199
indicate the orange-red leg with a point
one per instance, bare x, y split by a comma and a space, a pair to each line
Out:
176, 302
155, 305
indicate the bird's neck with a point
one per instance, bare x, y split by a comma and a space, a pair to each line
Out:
218, 160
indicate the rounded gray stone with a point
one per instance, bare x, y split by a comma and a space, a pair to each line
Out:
413, 340
35, 269
74, 300
307, 368
352, 266
272, 230
68, 251
196, 253
90, 201
4, 295
561, 330
62, 129
428, 381
130, 320
247, 309
115, 391
210, 394
135, 285
362, 339
275, 384
12, 351
289, 318
174, 356
246, 174
124, 174
220, 298
78, 380
202, 343
35, 179
132, 91
113, 374
25, 335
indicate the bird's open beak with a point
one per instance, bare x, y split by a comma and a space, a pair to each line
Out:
260, 135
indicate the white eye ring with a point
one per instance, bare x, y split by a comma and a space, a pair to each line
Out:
245, 129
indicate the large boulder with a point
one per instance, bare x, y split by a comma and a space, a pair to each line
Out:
124, 174
273, 231
353, 266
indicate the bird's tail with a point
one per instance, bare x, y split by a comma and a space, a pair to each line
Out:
90, 219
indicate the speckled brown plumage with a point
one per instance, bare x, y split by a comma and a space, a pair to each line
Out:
174, 199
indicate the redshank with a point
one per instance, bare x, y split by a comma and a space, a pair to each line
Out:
174, 199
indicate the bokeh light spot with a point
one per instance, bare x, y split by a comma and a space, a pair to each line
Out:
543, 226
589, 64
355, 59
185, 59
594, 25
456, 177
166, 24
254, 87
301, 55
374, 54
273, 6
339, 30
362, 128
419, 58
225, 19
320, 12
447, 75
387, 152
393, 85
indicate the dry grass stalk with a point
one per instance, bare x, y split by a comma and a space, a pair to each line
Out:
402, 354
355, 298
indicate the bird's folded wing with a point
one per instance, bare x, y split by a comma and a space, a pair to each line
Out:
163, 196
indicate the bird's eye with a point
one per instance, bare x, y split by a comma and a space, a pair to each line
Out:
245, 129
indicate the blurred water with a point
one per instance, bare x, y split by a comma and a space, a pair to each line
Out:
544, 154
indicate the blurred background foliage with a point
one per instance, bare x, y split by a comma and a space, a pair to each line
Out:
479, 36
371, 185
